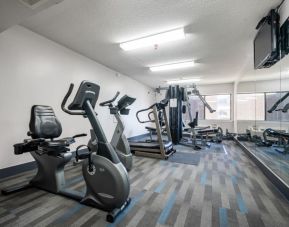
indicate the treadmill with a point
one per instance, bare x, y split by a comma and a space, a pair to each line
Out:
155, 149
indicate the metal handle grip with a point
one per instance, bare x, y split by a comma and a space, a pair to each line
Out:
63, 107
108, 102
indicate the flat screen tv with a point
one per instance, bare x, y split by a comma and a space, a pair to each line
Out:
284, 35
266, 44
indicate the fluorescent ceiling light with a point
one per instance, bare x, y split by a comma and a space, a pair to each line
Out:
183, 81
172, 66
154, 39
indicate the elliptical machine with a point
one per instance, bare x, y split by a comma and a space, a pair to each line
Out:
119, 140
107, 182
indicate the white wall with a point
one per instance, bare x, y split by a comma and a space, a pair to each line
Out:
35, 70
263, 86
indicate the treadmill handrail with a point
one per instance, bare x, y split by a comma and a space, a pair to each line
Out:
276, 104
108, 102
63, 107
149, 115
143, 110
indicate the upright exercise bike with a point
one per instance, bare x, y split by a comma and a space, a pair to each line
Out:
119, 140
106, 179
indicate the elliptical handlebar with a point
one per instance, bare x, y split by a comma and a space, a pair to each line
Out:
108, 102
63, 107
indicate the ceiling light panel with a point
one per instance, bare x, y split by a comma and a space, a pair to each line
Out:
151, 41
172, 66
184, 81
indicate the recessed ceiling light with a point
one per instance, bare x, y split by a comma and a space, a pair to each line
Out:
178, 65
153, 40
183, 81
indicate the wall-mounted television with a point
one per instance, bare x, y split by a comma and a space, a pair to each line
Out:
284, 35
266, 42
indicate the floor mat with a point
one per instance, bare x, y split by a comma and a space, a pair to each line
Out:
185, 158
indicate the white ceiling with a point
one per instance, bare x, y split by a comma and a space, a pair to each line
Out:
219, 34
14, 11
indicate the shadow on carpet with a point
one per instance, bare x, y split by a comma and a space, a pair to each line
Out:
185, 158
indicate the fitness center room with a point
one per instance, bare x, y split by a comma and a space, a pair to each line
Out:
144, 113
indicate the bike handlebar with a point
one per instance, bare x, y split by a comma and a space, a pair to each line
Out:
108, 102
63, 107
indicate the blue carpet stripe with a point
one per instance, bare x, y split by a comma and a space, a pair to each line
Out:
241, 204
223, 217
204, 178
234, 162
161, 187
167, 209
123, 214
234, 180
68, 214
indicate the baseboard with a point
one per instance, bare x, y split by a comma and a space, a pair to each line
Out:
268, 172
13, 170
139, 137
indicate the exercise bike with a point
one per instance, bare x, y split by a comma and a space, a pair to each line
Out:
106, 179
119, 140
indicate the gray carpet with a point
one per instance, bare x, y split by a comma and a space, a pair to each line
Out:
185, 158
225, 189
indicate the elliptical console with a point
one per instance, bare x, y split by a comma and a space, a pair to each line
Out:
119, 140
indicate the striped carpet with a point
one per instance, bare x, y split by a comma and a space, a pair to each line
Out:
225, 189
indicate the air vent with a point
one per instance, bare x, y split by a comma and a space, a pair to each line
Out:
33, 4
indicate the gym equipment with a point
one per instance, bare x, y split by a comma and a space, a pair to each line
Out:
201, 136
229, 135
177, 95
281, 145
284, 109
119, 140
106, 179
152, 130
244, 136
191, 137
276, 104
154, 149
196, 92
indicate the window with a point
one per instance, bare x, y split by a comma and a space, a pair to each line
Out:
222, 105
251, 107
271, 99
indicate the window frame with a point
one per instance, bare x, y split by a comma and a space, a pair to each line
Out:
265, 104
225, 120
265, 94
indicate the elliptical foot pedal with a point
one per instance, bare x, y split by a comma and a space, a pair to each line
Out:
111, 216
